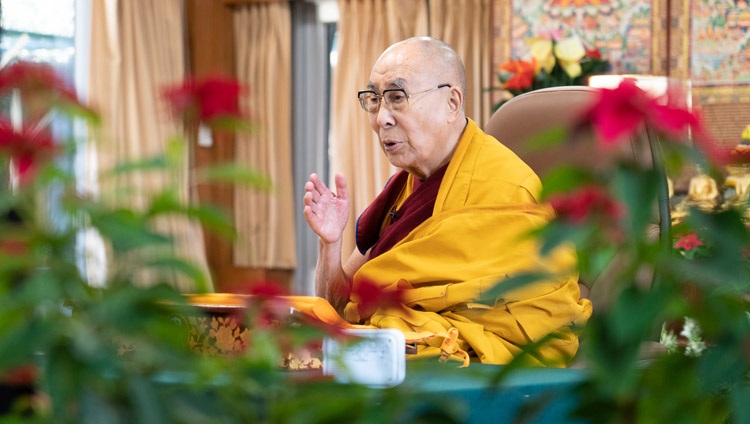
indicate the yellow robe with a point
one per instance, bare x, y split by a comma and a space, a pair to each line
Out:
476, 237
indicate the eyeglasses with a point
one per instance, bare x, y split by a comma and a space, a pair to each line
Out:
396, 99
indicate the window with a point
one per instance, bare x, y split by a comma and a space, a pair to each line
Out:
45, 31
41, 31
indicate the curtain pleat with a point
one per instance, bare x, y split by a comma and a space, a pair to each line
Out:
467, 26
310, 75
265, 220
366, 28
137, 49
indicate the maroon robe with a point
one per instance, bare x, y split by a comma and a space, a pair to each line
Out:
415, 210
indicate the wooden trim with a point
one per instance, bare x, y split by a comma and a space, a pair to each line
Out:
211, 51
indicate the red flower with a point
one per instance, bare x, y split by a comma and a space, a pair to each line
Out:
371, 296
34, 77
205, 100
27, 148
577, 206
687, 241
23, 375
523, 74
594, 53
269, 303
267, 290
620, 113
13, 247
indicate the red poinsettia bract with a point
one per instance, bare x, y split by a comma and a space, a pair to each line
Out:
28, 148
523, 74
36, 78
205, 100
586, 201
268, 301
620, 112
371, 296
687, 241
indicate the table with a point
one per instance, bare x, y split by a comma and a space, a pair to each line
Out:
548, 391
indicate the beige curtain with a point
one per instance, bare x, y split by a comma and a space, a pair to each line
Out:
366, 28
467, 26
265, 220
137, 49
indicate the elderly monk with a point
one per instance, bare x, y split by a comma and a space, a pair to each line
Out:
450, 225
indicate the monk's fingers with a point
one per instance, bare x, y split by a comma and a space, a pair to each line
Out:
309, 214
318, 185
342, 191
308, 199
313, 195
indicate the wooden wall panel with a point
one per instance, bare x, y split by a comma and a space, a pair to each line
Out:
211, 51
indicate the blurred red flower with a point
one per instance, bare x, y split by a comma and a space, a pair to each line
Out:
206, 100
34, 78
594, 53
13, 247
370, 296
589, 200
268, 303
26, 148
23, 375
621, 111
687, 241
523, 74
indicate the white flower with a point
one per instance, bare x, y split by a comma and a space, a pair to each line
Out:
668, 339
692, 332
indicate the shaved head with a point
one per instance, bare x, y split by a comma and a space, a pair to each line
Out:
421, 135
436, 55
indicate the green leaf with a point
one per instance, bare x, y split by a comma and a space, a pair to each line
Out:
551, 137
509, 284
155, 163
191, 270
126, 230
564, 179
235, 173
214, 219
165, 202
637, 189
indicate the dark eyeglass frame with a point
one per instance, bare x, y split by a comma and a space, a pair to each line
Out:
381, 97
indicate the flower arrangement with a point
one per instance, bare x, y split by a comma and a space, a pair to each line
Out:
553, 62
701, 272
71, 351
64, 339
689, 340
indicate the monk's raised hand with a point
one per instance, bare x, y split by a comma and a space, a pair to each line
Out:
325, 211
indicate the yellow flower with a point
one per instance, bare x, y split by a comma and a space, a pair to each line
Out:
746, 133
541, 51
569, 52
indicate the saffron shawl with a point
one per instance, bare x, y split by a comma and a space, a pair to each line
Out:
476, 237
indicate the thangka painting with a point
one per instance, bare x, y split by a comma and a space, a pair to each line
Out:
626, 32
710, 47
718, 41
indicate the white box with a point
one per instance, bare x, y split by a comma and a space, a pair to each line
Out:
374, 358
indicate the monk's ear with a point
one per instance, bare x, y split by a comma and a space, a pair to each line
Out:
455, 102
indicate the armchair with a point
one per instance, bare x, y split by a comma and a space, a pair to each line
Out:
521, 118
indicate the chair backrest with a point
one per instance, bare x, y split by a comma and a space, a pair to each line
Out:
523, 117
